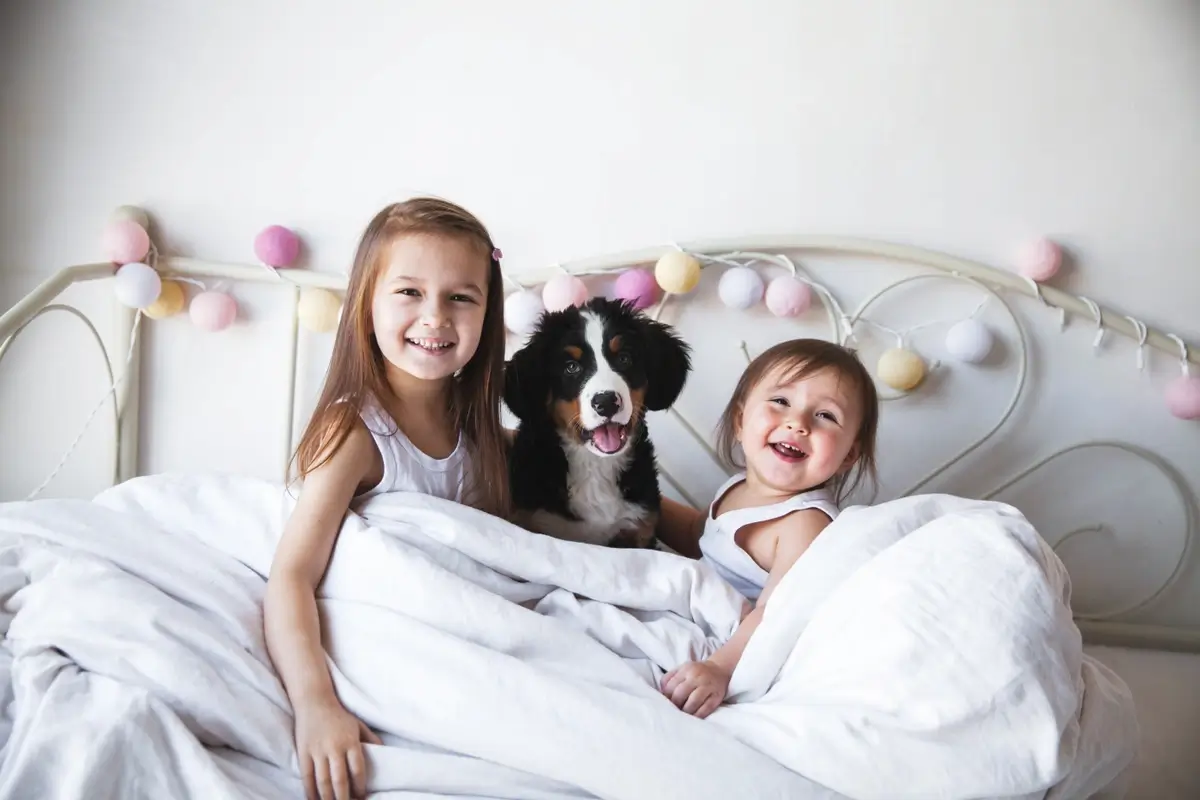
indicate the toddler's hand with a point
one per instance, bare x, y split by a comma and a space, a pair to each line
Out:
329, 746
697, 687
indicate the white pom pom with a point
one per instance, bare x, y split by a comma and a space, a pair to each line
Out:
522, 311
740, 287
969, 341
137, 285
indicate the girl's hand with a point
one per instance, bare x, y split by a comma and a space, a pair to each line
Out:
329, 746
697, 687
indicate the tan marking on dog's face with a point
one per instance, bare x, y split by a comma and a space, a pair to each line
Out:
638, 396
574, 352
614, 345
566, 415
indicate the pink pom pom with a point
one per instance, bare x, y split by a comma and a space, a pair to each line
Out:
788, 296
213, 311
276, 246
125, 241
636, 286
564, 291
1040, 260
1183, 397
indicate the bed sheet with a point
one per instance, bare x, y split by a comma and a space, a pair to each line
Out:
921, 648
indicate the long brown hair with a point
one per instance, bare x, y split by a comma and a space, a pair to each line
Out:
800, 358
356, 369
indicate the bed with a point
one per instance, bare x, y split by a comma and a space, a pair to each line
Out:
844, 695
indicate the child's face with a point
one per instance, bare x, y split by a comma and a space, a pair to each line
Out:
797, 435
428, 307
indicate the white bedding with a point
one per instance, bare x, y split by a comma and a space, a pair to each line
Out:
921, 648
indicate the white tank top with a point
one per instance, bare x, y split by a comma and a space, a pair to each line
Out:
721, 551
405, 467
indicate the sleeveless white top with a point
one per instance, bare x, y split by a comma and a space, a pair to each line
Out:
408, 469
721, 551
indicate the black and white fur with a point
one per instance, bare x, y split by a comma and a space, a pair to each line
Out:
581, 386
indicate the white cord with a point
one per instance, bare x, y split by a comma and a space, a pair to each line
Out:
1095, 309
1140, 327
111, 389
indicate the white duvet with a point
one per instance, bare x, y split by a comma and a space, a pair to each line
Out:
921, 648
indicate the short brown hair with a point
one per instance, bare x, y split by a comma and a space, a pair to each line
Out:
801, 358
357, 368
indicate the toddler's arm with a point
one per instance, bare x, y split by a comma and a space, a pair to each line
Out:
680, 527
699, 687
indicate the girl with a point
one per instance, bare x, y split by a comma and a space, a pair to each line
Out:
411, 402
805, 413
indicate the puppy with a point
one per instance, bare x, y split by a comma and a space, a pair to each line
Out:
581, 465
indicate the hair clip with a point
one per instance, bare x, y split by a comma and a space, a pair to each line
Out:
497, 254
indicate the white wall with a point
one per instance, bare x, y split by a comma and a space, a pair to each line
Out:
964, 127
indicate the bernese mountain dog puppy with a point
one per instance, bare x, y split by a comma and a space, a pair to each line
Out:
581, 464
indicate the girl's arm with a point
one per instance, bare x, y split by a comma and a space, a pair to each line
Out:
699, 688
680, 527
292, 627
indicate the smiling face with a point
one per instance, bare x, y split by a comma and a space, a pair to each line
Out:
593, 372
798, 434
427, 311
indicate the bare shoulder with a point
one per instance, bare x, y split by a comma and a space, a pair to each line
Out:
793, 533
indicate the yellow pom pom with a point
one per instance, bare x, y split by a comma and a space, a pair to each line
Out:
319, 310
901, 369
170, 302
677, 272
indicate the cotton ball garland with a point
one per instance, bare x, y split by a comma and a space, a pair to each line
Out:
677, 272
213, 311
137, 285
522, 310
318, 310
1183, 397
636, 286
969, 341
131, 214
740, 287
125, 241
564, 291
170, 302
1040, 260
901, 369
788, 296
276, 246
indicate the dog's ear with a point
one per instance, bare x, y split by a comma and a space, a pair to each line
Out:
670, 361
525, 380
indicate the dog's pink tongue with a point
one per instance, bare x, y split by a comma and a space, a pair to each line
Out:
607, 437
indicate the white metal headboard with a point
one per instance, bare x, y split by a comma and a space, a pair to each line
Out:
774, 250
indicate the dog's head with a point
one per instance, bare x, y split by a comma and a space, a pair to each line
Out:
593, 371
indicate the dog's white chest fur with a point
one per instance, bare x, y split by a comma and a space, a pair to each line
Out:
594, 495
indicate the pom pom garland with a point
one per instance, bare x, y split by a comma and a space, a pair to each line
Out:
276, 246
901, 369
125, 241
318, 310
638, 287
1183, 397
677, 272
788, 296
131, 214
740, 287
522, 310
213, 311
1040, 260
564, 291
969, 341
137, 285
171, 300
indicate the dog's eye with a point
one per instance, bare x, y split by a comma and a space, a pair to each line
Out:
572, 368
624, 359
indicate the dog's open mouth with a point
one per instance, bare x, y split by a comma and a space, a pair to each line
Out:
607, 439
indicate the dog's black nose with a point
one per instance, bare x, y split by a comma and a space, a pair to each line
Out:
606, 404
